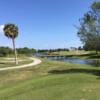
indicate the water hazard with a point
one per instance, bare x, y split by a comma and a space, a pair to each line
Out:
77, 60
92, 62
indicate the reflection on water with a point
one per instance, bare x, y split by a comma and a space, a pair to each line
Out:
78, 61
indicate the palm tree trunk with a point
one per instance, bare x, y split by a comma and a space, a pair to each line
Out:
16, 61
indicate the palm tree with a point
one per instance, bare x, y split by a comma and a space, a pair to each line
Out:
11, 31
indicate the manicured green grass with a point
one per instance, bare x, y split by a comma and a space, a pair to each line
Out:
51, 80
71, 52
79, 54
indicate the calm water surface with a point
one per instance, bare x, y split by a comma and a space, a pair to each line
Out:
77, 61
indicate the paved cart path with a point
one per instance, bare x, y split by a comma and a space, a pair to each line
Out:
36, 61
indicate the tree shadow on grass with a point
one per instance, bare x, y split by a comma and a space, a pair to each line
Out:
94, 56
91, 55
76, 70
1, 63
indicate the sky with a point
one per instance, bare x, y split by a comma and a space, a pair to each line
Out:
43, 24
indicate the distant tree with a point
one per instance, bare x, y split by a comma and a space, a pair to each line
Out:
89, 30
11, 31
33, 51
26, 50
50, 51
4, 51
80, 48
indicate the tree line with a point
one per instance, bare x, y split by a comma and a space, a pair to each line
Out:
4, 51
89, 29
52, 50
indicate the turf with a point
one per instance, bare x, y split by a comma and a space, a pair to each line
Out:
51, 80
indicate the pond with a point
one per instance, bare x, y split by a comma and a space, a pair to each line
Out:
77, 60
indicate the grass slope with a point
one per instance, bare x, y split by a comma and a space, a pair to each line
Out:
51, 80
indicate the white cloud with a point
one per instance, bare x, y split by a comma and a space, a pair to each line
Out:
1, 28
